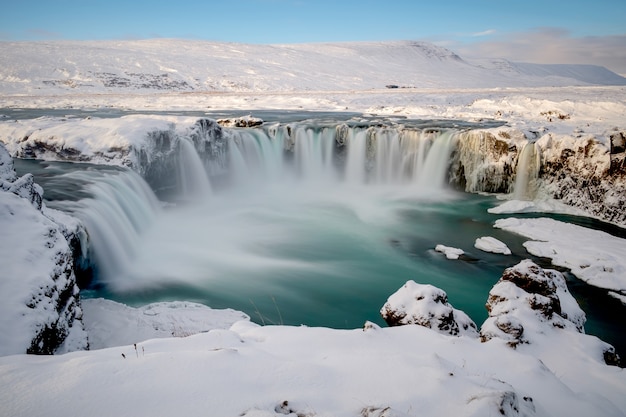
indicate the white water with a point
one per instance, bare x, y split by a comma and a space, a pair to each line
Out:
122, 208
297, 211
193, 179
527, 172
269, 188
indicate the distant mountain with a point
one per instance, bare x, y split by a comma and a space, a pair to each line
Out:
182, 65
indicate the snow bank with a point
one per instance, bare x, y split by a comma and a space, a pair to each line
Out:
536, 206
114, 141
272, 370
109, 323
39, 302
593, 256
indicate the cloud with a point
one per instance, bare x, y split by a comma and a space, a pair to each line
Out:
483, 33
552, 46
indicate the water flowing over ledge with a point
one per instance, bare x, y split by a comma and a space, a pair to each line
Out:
284, 199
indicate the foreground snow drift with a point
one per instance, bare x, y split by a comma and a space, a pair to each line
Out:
251, 370
268, 371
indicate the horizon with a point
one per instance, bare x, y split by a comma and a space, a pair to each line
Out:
532, 31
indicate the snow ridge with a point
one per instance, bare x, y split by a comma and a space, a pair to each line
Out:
180, 65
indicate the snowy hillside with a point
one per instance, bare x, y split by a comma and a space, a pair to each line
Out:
177, 65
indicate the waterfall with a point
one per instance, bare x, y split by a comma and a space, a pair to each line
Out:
121, 208
313, 150
365, 155
527, 172
433, 174
356, 163
193, 179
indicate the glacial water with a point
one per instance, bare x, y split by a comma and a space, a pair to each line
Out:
303, 237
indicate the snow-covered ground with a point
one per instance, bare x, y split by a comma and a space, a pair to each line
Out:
250, 370
593, 256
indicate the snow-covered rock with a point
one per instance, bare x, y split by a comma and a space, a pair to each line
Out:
427, 306
529, 303
576, 169
39, 297
491, 244
146, 143
244, 121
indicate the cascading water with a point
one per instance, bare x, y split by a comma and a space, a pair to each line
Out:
371, 155
280, 180
292, 233
194, 182
119, 209
527, 172
306, 208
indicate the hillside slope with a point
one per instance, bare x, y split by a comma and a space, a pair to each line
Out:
183, 65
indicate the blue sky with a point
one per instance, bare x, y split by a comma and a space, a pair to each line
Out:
531, 30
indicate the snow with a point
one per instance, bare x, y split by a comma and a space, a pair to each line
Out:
236, 367
427, 306
36, 267
95, 139
113, 324
179, 65
491, 244
450, 252
601, 263
252, 370
535, 206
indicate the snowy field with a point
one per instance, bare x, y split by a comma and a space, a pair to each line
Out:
228, 366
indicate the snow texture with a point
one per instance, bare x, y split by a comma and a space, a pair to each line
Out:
39, 301
601, 263
427, 306
109, 323
491, 244
450, 252
178, 65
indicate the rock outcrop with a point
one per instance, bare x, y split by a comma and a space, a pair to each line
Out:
484, 162
581, 171
426, 305
39, 297
528, 303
